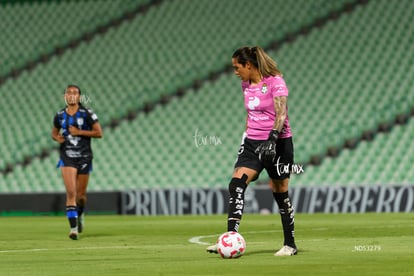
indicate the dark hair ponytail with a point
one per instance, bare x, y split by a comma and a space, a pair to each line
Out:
246, 55
259, 59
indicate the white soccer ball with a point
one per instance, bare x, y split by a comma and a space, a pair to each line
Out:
231, 245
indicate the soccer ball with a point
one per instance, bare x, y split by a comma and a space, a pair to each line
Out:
231, 245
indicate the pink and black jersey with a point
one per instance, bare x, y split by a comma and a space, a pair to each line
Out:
258, 100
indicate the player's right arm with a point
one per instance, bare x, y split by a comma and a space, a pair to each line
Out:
57, 136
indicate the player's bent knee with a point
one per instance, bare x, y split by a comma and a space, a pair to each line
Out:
237, 183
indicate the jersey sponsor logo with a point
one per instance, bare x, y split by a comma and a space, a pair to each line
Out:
73, 154
259, 117
253, 102
74, 140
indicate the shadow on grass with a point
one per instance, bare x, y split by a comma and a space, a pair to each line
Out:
269, 251
97, 235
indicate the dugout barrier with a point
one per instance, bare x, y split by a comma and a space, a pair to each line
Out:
199, 201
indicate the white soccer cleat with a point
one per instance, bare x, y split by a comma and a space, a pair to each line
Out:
286, 251
212, 249
74, 234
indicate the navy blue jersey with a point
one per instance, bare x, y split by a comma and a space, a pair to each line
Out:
75, 146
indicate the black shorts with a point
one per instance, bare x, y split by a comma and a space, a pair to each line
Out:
279, 169
84, 165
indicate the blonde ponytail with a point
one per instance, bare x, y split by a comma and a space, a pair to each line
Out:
265, 64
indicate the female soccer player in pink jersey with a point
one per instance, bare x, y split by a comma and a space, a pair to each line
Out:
267, 141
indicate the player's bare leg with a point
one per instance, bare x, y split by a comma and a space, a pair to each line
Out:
69, 178
81, 199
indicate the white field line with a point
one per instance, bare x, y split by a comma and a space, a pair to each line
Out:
194, 240
198, 239
64, 249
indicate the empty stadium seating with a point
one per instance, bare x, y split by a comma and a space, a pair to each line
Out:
32, 29
344, 78
152, 55
384, 160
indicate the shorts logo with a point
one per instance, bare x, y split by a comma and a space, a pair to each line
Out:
84, 166
241, 149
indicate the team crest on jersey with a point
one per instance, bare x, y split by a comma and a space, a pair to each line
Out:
80, 122
264, 88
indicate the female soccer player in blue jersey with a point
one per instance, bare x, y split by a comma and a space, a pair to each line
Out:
73, 128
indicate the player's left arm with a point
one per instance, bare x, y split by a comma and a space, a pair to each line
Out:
267, 150
280, 104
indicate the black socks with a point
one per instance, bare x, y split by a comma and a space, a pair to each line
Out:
237, 187
287, 216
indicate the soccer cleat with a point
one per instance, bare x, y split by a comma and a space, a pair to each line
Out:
81, 223
286, 251
73, 234
212, 249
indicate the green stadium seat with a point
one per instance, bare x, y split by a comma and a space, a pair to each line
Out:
339, 87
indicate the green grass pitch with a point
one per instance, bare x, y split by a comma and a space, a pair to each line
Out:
334, 244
